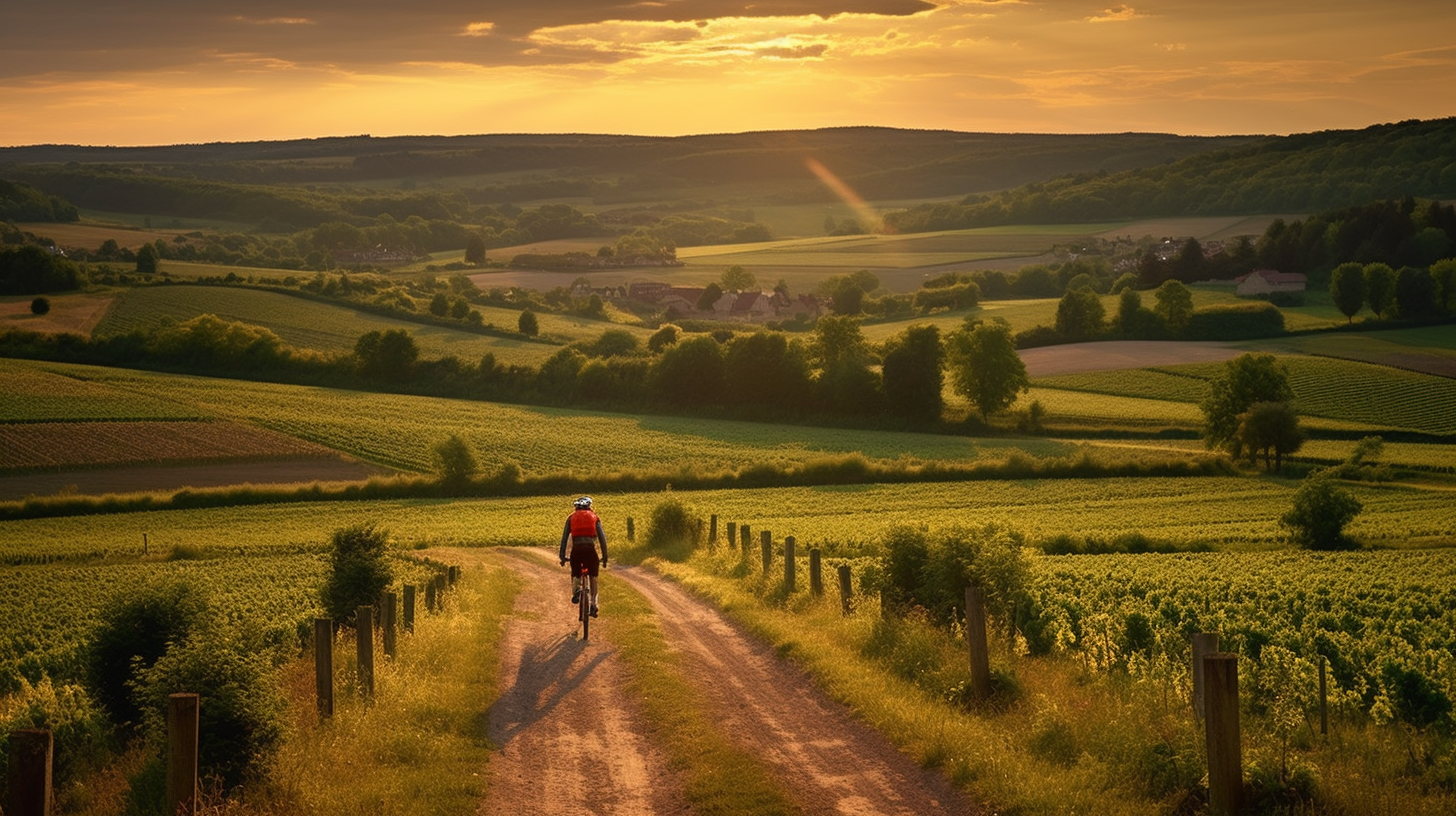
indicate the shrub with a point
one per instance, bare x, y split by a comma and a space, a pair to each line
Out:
78, 727
243, 711
1321, 510
359, 571
40, 306
454, 460
136, 630
672, 533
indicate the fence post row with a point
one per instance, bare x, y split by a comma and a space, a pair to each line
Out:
1204, 644
182, 743
32, 756
976, 642
789, 566
844, 587
364, 627
386, 622
323, 664
816, 575
1225, 760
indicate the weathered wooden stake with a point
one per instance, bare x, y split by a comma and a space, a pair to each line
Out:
844, 587
1204, 644
745, 535
713, 529
733, 535
440, 591
430, 600
765, 543
323, 664
182, 744
32, 756
1225, 759
386, 622
789, 564
364, 628
452, 574
1324, 701
145, 544
409, 607
976, 641
816, 574
631, 529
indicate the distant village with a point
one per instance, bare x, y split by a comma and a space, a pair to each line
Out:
731, 307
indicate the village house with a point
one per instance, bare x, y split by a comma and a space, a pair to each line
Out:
1268, 281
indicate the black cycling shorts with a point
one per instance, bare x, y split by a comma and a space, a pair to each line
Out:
585, 555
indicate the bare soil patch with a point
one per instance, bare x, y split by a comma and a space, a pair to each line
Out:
1114, 355
76, 314
90, 444
143, 479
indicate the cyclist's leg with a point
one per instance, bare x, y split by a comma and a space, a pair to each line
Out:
576, 564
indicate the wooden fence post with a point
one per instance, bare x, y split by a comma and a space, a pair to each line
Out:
1324, 701
430, 600
789, 564
409, 607
976, 642
323, 665
452, 574
816, 574
844, 587
732, 535
439, 591
182, 744
145, 544
386, 622
1225, 760
713, 529
364, 628
745, 535
1204, 644
631, 529
32, 756
765, 542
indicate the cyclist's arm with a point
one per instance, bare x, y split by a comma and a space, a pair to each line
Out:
602, 537
565, 535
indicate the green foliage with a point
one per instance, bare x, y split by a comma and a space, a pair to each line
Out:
1080, 315
1347, 288
690, 372
387, 356
1243, 381
984, 365
1321, 510
21, 202
40, 306
359, 571
913, 375
737, 279
1174, 305
243, 714
136, 629
672, 532
30, 270
146, 260
1270, 429
528, 324
1379, 287
208, 342
666, 335
81, 735
1415, 293
454, 460
932, 570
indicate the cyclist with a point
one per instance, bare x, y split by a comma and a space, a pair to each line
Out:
584, 530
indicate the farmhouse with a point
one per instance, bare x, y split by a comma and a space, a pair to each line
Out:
1265, 281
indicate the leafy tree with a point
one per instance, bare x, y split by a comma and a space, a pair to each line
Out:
1270, 429
208, 341
454, 460
613, 343
737, 279
1321, 510
475, 249
712, 293
40, 306
689, 372
1189, 265
1347, 289
912, 374
1415, 293
146, 260
388, 356
359, 570
1174, 305
666, 335
136, 627
985, 367
1080, 315
847, 293
1133, 320
1443, 273
460, 308
527, 324
29, 270
557, 376
1379, 287
842, 356
765, 369
440, 304
1244, 381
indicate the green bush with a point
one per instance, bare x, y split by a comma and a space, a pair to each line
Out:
79, 728
243, 712
672, 532
137, 628
359, 571
1321, 510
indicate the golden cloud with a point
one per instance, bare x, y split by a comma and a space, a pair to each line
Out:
478, 30
1121, 14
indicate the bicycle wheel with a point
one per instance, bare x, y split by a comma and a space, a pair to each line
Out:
583, 607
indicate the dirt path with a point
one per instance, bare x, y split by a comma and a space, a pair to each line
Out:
568, 742
829, 761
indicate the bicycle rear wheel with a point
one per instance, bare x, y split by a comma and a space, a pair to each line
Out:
583, 607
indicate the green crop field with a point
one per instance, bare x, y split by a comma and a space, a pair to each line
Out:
31, 393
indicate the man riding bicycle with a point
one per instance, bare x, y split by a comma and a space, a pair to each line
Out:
584, 530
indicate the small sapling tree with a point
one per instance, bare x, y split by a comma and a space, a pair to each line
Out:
454, 461
1321, 510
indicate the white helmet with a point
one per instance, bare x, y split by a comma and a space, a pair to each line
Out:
583, 503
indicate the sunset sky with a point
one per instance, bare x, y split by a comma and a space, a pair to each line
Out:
172, 71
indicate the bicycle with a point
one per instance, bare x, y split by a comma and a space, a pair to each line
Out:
583, 603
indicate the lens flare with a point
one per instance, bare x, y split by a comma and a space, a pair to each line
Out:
866, 214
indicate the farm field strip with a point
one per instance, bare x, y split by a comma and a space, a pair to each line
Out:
33, 392
70, 445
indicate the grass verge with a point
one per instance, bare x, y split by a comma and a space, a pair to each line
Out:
719, 777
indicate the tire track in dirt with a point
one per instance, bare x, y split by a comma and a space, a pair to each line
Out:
568, 741
829, 761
